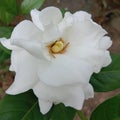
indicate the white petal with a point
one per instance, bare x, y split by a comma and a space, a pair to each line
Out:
71, 95
69, 19
25, 67
33, 47
96, 57
51, 33
93, 56
65, 70
81, 16
88, 90
6, 43
14, 60
107, 59
66, 22
44, 106
83, 30
80, 33
26, 30
50, 15
105, 43
35, 14
27, 36
84, 37
76, 98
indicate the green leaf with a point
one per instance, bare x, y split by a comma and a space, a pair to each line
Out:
28, 5
60, 112
8, 10
109, 78
25, 107
63, 11
108, 110
4, 53
5, 31
6, 17
19, 107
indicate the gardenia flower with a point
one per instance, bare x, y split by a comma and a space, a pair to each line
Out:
56, 56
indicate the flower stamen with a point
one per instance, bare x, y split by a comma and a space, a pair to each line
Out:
57, 47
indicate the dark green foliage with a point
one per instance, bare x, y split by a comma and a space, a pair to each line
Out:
109, 77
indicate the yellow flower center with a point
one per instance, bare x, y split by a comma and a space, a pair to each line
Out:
57, 47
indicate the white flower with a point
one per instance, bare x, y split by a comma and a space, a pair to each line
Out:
56, 56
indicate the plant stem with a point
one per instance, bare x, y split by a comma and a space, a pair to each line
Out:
81, 115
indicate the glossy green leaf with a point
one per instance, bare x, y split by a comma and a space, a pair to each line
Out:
19, 107
108, 110
109, 78
60, 112
25, 107
28, 5
8, 10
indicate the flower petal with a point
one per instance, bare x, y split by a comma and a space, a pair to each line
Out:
88, 90
51, 33
65, 70
84, 37
26, 30
44, 106
35, 14
6, 43
66, 22
25, 66
94, 57
107, 58
81, 16
50, 15
80, 33
71, 95
27, 36
76, 98
83, 30
70, 19
105, 43
33, 47
14, 59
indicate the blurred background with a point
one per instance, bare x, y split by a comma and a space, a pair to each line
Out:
104, 12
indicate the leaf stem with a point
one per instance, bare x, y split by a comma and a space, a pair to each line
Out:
81, 115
